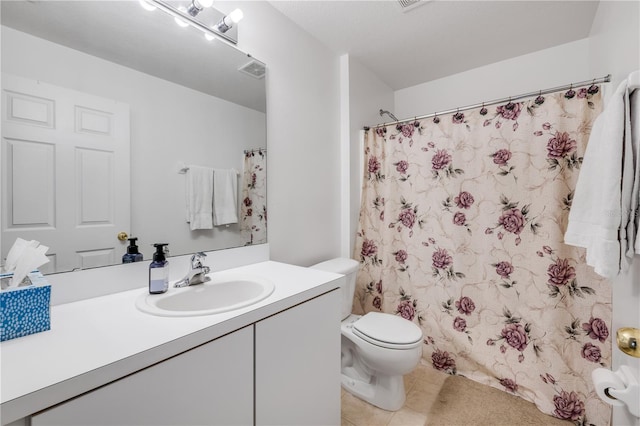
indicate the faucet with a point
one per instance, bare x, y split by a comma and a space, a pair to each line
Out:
197, 273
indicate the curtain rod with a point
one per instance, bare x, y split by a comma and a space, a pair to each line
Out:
247, 151
605, 79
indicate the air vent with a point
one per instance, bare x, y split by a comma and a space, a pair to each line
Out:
255, 69
408, 5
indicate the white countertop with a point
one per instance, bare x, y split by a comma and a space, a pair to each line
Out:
95, 341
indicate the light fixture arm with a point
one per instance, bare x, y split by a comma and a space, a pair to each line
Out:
230, 36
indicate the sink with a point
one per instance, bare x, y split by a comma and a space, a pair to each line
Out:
220, 294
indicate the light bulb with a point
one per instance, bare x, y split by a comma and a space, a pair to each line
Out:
236, 16
147, 6
205, 3
181, 21
227, 22
198, 6
209, 37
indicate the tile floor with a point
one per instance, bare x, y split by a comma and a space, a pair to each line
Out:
422, 386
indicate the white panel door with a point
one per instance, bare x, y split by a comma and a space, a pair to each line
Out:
626, 313
65, 172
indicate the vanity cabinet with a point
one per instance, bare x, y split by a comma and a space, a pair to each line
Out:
207, 385
298, 364
281, 370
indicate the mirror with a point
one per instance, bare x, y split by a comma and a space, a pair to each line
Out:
103, 103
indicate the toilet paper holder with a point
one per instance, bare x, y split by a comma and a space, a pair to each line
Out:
626, 390
628, 340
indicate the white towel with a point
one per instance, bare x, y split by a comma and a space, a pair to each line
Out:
601, 207
634, 110
225, 198
199, 197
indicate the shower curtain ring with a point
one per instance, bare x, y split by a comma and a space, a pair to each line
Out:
510, 104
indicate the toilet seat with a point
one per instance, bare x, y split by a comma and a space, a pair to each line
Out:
388, 331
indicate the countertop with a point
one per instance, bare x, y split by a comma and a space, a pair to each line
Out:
96, 341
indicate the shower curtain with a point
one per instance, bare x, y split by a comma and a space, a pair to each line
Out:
461, 231
253, 207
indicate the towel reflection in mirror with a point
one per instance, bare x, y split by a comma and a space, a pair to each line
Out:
211, 197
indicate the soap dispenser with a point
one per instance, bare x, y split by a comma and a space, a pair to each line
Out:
132, 254
159, 271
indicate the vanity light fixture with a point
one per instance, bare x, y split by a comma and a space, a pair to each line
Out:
187, 17
227, 22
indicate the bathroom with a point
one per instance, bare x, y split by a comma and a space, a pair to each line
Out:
320, 98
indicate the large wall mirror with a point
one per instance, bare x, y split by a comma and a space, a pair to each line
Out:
104, 107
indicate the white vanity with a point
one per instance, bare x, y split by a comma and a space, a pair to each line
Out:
104, 362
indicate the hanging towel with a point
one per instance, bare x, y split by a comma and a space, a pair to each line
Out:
602, 206
634, 112
199, 197
225, 198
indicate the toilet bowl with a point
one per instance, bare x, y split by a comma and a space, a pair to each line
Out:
377, 349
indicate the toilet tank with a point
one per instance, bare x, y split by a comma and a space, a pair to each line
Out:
349, 268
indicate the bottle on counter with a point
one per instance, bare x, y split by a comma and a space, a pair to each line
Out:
132, 254
159, 270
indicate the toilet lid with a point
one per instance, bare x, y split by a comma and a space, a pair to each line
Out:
388, 330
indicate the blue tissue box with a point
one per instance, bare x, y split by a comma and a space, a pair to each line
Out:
24, 309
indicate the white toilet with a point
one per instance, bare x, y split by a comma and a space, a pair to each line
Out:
377, 349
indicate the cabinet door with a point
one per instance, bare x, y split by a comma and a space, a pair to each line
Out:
298, 364
208, 385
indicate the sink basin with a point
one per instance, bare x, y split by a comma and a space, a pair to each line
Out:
220, 294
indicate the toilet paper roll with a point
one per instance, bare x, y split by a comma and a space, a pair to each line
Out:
604, 379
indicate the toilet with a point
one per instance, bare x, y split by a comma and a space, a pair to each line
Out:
377, 349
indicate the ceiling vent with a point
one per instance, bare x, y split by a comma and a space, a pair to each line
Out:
408, 5
255, 69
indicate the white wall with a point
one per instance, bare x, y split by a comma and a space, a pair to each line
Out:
544, 69
366, 95
303, 188
169, 123
614, 40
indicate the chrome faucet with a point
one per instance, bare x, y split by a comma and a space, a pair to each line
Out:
197, 273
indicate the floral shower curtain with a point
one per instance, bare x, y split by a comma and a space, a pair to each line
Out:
253, 209
461, 231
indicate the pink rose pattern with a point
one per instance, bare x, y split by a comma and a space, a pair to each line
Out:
253, 209
461, 232
464, 200
596, 329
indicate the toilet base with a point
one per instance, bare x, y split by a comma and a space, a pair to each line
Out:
386, 392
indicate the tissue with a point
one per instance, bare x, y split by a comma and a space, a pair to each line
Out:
24, 257
16, 251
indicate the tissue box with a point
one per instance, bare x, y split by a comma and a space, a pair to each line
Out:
24, 309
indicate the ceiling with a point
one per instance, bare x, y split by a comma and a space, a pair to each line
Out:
438, 38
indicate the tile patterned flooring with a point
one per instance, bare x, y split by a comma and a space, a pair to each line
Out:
422, 386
